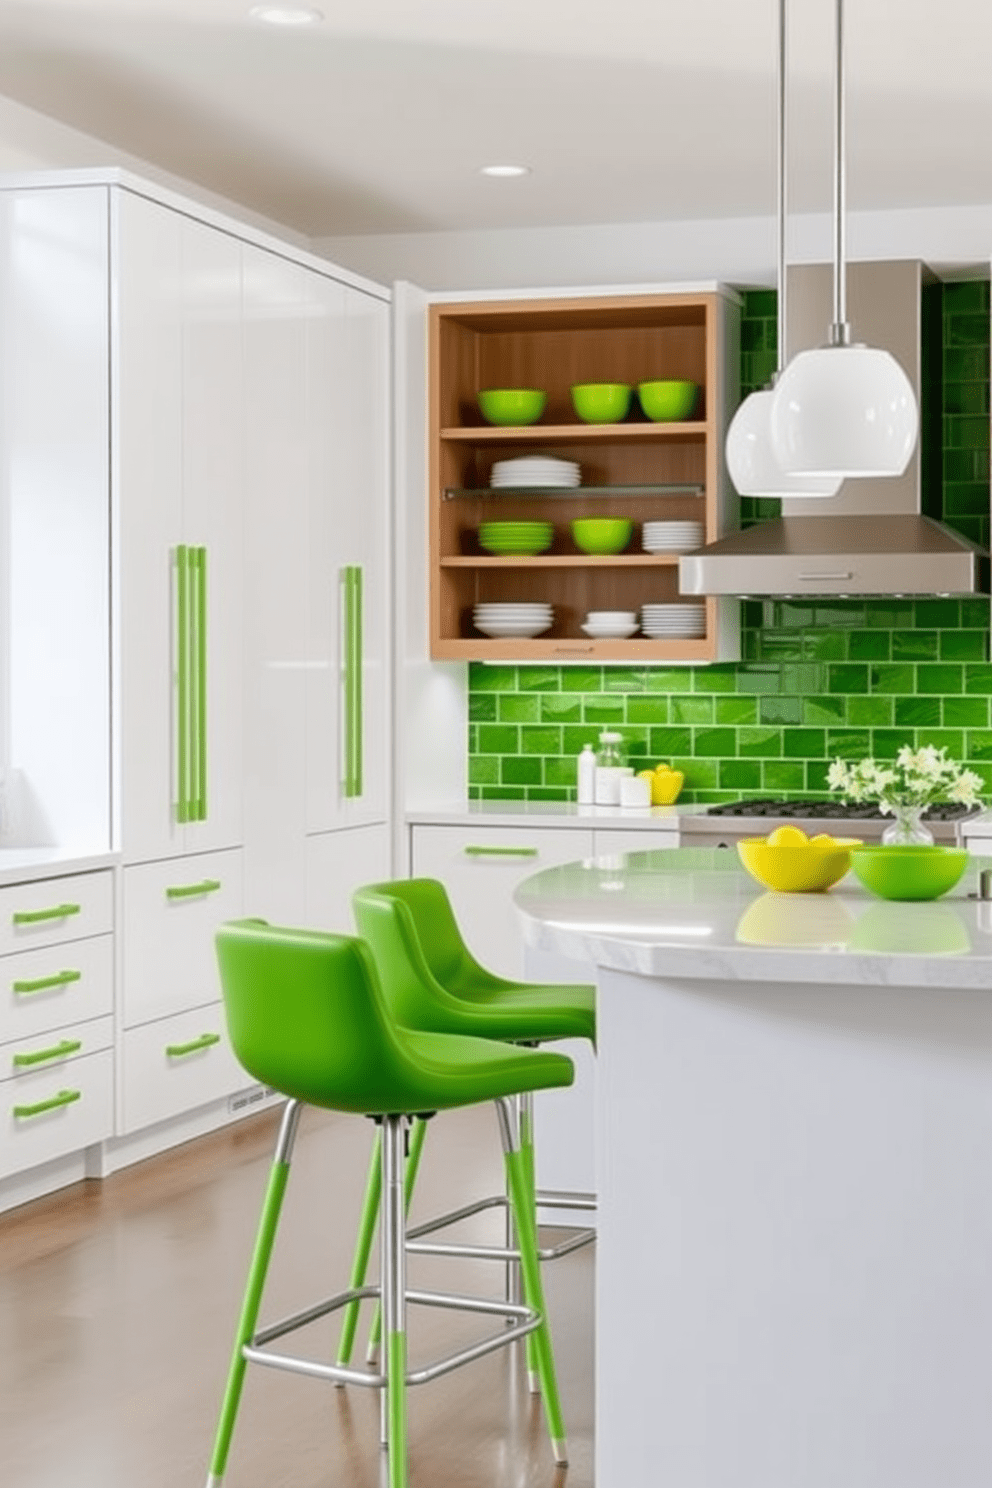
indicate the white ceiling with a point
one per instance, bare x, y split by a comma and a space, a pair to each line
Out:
377, 120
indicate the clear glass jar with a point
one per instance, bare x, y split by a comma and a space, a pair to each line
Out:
609, 768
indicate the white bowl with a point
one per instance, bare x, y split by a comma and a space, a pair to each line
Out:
609, 633
609, 617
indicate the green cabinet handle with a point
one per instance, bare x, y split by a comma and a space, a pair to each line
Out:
176, 1051
351, 578
64, 1098
198, 559
189, 891
502, 852
57, 1051
41, 984
57, 912
183, 791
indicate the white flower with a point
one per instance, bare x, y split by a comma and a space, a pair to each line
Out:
917, 778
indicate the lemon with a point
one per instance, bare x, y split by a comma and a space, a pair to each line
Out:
823, 841
788, 837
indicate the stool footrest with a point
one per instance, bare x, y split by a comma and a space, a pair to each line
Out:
563, 1198
525, 1320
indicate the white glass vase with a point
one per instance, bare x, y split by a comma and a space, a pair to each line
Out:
907, 828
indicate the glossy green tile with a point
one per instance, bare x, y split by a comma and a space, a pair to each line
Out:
581, 679
963, 645
780, 709
979, 744
943, 738
670, 679
816, 778
734, 710
975, 613
848, 679
482, 706
826, 645
966, 712
625, 679
692, 710
915, 712
492, 678
870, 711
701, 774
743, 775
518, 707
546, 794
968, 296
782, 775
500, 793
603, 710
886, 743
939, 678
540, 740
714, 741
539, 678
936, 614
892, 679
495, 739
804, 743
755, 679
759, 742
869, 645
666, 743
654, 709
720, 679
483, 769
847, 744
826, 710
518, 770
967, 330
560, 707
915, 645
560, 771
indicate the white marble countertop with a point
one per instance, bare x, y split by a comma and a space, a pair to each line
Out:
27, 864
695, 912
547, 814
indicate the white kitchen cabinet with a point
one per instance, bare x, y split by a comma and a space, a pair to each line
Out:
337, 864
56, 1018
178, 470
173, 1065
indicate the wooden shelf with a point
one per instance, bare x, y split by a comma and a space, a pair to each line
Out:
565, 648
577, 493
564, 560
571, 433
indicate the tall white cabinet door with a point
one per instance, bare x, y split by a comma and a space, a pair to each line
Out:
147, 439
178, 437
348, 673
277, 308
337, 864
214, 419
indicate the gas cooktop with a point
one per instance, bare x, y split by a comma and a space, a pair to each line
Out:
832, 810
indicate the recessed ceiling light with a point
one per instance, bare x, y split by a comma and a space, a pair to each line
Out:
286, 15
504, 170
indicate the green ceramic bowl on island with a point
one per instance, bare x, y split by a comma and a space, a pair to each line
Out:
909, 872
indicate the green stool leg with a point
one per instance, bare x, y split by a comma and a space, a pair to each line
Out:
363, 1249
261, 1256
530, 1268
525, 1111
393, 1263
417, 1136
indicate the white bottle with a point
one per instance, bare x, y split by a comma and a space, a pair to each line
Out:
609, 769
585, 773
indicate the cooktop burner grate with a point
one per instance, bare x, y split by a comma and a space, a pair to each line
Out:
834, 810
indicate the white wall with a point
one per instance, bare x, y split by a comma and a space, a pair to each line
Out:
954, 241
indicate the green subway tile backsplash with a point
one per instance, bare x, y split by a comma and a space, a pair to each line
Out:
819, 678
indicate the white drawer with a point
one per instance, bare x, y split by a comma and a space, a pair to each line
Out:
45, 989
172, 911
177, 1064
54, 910
49, 1112
55, 1048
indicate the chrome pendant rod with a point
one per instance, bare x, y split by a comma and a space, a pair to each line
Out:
840, 331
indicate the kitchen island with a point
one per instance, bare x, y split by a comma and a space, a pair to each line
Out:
794, 1143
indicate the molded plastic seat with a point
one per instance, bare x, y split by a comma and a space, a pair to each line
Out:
307, 1015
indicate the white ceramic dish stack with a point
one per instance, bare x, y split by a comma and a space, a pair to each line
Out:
663, 622
536, 470
671, 537
507, 621
616, 625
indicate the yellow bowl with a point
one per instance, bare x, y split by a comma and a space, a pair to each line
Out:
803, 868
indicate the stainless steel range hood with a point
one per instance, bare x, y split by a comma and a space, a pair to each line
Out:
875, 536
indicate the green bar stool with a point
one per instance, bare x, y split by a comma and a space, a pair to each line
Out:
434, 983
306, 1015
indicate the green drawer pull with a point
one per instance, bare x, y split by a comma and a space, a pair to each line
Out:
60, 979
184, 806
57, 912
58, 1051
189, 891
502, 852
64, 1098
176, 1051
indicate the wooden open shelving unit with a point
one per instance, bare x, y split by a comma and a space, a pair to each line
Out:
638, 469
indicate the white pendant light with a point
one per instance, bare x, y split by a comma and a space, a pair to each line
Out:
751, 459
843, 409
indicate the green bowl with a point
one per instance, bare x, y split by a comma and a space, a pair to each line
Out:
512, 405
909, 872
525, 538
667, 402
601, 534
602, 402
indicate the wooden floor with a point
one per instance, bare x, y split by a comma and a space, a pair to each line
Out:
118, 1302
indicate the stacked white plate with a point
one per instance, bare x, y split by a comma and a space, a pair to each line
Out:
664, 622
536, 470
507, 620
602, 625
671, 537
